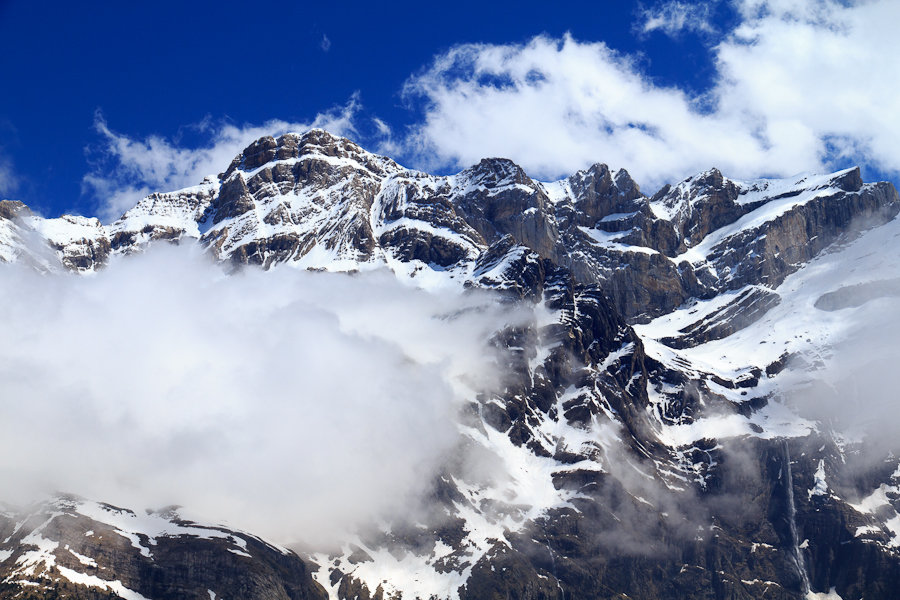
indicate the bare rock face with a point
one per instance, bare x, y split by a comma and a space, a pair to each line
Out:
261, 187
83, 244
598, 194
416, 219
10, 209
748, 307
710, 234
768, 253
706, 203
497, 198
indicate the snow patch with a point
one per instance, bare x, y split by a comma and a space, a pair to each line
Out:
820, 488
92, 581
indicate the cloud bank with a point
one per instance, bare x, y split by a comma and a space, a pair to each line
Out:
800, 86
295, 407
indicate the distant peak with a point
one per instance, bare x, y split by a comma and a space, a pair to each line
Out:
320, 133
624, 181
597, 172
710, 178
10, 209
599, 191
849, 180
324, 138
492, 171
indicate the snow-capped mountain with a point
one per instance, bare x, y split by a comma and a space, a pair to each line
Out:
647, 432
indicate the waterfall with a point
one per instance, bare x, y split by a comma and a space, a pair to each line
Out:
799, 561
553, 565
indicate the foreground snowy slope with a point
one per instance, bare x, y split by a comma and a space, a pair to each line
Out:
661, 430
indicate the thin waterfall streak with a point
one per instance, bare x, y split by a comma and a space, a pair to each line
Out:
799, 560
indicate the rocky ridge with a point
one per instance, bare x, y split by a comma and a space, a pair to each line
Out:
318, 201
70, 547
637, 444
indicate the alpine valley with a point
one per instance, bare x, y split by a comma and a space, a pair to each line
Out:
653, 425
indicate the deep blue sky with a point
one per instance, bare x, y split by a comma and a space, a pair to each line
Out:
159, 67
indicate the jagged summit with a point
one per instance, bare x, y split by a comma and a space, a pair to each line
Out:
316, 200
495, 173
291, 147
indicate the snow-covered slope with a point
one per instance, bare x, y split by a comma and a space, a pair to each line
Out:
71, 547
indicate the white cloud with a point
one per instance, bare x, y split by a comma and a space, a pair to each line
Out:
383, 128
818, 73
801, 86
325, 44
675, 17
285, 406
558, 105
9, 181
133, 168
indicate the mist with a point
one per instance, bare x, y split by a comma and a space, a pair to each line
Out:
855, 393
850, 385
292, 404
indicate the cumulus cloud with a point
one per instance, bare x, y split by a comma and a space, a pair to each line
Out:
131, 168
558, 105
800, 86
815, 75
287, 407
675, 17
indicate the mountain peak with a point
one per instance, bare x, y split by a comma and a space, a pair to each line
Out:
317, 200
269, 149
10, 209
849, 180
493, 172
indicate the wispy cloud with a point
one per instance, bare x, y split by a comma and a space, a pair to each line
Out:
325, 44
675, 17
131, 168
817, 72
800, 86
9, 181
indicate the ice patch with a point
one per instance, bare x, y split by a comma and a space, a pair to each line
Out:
821, 487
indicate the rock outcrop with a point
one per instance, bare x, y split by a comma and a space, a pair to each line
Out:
71, 548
